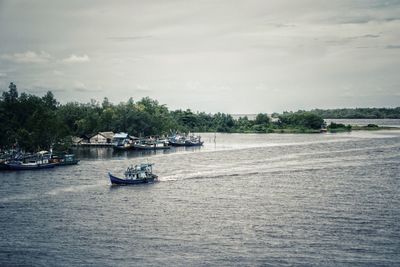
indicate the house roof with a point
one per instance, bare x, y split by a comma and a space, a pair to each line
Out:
108, 135
76, 139
86, 136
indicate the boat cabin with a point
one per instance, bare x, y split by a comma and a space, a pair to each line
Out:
142, 171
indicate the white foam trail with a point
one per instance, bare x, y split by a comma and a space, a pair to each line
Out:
54, 192
73, 189
293, 162
19, 197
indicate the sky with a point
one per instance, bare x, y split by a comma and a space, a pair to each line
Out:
232, 56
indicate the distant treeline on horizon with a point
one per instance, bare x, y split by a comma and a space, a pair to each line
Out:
358, 113
33, 123
344, 113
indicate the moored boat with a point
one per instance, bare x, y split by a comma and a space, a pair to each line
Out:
194, 141
127, 146
21, 166
64, 160
177, 140
185, 140
151, 145
35, 162
3, 165
139, 174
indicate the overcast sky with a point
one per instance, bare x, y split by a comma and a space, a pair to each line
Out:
231, 56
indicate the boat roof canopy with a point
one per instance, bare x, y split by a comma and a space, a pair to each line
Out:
121, 135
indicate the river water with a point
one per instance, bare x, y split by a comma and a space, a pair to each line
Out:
244, 200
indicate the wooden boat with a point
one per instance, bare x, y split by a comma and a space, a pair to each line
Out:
151, 145
41, 160
194, 142
139, 174
65, 160
3, 166
21, 166
185, 140
177, 142
123, 147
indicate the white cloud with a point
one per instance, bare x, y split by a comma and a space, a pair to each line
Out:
28, 57
76, 59
3, 75
277, 55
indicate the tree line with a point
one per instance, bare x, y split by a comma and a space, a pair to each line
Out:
358, 113
34, 123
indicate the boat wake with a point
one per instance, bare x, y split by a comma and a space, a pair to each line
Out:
52, 193
73, 189
320, 160
19, 197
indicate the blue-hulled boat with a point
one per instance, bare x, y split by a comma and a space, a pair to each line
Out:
21, 166
3, 165
139, 174
35, 162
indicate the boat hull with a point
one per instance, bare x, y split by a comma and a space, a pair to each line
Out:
177, 144
122, 148
186, 144
67, 163
150, 147
118, 181
23, 167
3, 166
194, 144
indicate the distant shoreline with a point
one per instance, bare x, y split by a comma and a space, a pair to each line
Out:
35, 123
312, 131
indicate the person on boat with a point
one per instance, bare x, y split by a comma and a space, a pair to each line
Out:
129, 172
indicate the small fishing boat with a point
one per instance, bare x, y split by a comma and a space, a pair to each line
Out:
185, 140
35, 162
151, 145
126, 146
3, 165
64, 160
193, 141
20, 166
177, 140
139, 174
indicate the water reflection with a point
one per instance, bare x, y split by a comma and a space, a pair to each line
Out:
109, 152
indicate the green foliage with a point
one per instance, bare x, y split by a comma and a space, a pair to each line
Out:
338, 127
359, 113
36, 123
300, 119
258, 128
262, 119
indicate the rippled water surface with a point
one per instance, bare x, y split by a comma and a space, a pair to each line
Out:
246, 200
